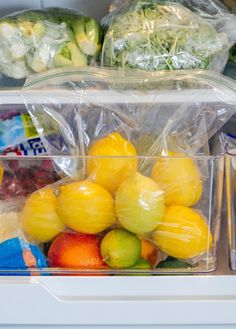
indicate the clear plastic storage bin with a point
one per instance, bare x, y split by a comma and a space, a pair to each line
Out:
135, 177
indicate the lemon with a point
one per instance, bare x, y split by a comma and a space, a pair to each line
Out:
120, 249
180, 179
139, 204
111, 171
39, 218
183, 233
85, 207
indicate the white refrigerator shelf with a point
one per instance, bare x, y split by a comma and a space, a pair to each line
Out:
62, 96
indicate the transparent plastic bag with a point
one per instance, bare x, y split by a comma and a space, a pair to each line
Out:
17, 254
211, 10
214, 11
171, 37
23, 139
38, 40
19, 178
116, 175
157, 112
129, 222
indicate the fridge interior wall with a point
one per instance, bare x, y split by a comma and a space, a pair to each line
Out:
87, 7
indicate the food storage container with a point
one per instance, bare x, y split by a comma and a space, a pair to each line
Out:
131, 183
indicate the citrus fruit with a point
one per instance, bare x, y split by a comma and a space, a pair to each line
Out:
142, 264
180, 178
139, 204
121, 163
85, 207
183, 233
39, 218
120, 249
149, 252
75, 250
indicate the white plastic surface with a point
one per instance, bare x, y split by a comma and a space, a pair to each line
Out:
108, 96
96, 301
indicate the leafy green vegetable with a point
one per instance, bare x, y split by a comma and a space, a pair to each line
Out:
37, 40
160, 35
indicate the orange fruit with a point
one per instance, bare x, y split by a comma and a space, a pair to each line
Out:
183, 233
114, 161
85, 207
76, 251
149, 252
39, 217
180, 179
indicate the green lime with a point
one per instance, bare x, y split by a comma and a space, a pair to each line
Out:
142, 264
120, 249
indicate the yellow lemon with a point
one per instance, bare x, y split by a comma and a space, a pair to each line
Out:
121, 163
86, 207
183, 233
180, 178
139, 204
39, 217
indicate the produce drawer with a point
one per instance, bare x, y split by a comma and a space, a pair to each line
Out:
105, 138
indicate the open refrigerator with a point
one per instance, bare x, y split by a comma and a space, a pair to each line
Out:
164, 301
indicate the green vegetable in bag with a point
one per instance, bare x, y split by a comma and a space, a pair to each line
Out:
38, 40
161, 35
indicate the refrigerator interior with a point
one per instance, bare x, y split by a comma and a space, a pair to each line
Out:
166, 301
